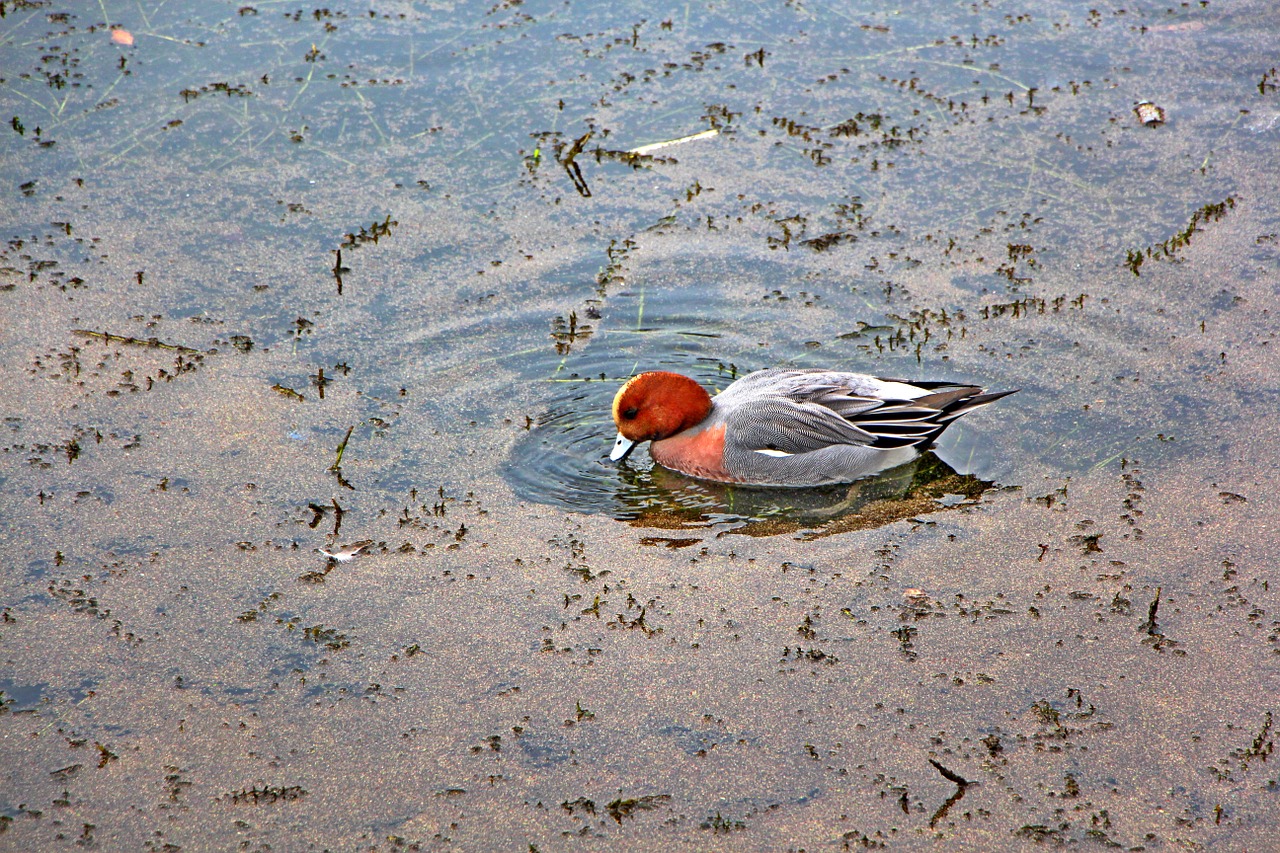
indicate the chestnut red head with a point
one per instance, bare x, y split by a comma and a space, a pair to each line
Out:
656, 405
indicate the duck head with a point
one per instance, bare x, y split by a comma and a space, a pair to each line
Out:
656, 405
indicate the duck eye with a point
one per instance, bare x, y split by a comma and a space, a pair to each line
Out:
630, 414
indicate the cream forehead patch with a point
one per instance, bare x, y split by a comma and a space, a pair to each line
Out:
617, 399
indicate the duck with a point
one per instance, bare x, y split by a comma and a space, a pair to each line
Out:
783, 427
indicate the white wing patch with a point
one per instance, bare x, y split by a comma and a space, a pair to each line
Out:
901, 390
777, 454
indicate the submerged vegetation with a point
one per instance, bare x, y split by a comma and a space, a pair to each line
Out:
313, 318
1181, 240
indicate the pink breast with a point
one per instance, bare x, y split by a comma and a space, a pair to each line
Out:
697, 452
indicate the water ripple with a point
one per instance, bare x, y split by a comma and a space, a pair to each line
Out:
563, 461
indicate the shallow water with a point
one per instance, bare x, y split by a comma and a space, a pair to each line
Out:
1064, 616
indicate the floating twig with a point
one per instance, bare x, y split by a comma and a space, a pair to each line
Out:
342, 448
960, 782
152, 343
656, 146
569, 161
339, 269
1149, 626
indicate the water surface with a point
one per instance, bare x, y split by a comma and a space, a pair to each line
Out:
241, 237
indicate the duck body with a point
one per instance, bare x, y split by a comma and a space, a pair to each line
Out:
782, 427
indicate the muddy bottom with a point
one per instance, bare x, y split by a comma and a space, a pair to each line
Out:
310, 320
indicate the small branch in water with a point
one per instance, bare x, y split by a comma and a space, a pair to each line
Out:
338, 270
569, 161
1149, 626
153, 343
655, 146
960, 782
949, 775
342, 448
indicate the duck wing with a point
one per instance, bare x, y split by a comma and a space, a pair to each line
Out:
821, 414
783, 426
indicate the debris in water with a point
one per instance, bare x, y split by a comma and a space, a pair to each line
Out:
1148, 113
343, 553
654, 146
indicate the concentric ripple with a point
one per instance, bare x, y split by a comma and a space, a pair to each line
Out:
563, 461
712, 334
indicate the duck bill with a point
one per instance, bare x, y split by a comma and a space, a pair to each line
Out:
621, 447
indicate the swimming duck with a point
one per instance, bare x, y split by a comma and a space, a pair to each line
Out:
782, 427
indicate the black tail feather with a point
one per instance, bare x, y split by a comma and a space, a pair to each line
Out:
920, 421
